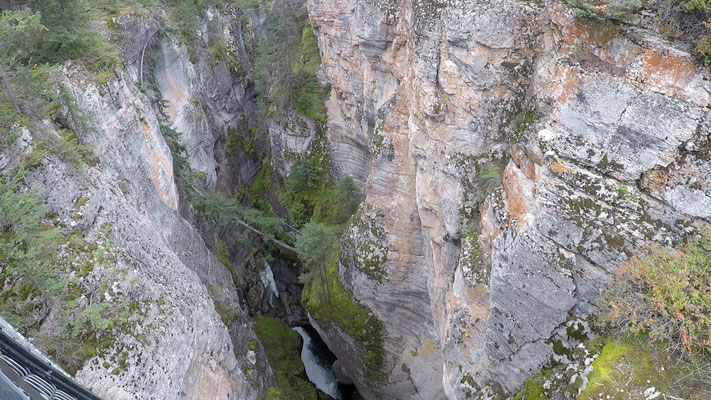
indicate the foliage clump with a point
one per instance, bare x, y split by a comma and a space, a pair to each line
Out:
661, 301
308, 93
666, 295
615, 10
287, 62
311, 195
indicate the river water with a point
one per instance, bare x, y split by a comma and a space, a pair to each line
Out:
317, 359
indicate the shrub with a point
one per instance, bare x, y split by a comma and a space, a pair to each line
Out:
223, 254
665, 295
697, 6
227, 313
617, 10
703, 48
185, 16
339, 203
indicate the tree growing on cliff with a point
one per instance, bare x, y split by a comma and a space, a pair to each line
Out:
273, 78
315, 245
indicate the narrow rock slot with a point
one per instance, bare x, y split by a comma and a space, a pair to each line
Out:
318, 360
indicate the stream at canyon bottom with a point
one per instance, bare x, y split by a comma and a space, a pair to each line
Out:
318, 361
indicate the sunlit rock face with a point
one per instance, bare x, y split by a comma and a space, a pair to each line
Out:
512, 155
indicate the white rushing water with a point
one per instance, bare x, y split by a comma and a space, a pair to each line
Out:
268, 280
319, 374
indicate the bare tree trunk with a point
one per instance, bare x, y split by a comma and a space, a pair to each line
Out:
6, 85
260, 233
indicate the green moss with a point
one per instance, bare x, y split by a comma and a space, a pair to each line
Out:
282, 346
560, 349
338, 306
533, 388
577, 331
122, 363
623, 368
522, 120
214, 290
273, 393
81, 202
367, 242
105, 76
227, 313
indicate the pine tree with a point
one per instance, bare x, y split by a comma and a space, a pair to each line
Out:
315, 245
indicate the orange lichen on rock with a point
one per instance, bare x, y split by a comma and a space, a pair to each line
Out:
654, 180
670, 74
161, 167
515, 196
560, 168
564, 84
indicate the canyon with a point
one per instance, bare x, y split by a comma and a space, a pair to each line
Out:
512, 156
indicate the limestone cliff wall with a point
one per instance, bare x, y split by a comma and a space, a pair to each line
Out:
512, 155
127, 207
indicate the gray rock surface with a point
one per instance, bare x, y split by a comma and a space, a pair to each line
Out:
178, 346
603, 134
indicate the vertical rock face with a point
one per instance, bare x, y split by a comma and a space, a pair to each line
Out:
180, 348
512, 155
181, 340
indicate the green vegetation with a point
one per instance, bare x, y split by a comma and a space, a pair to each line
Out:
315, 244
322, 209
287, 62
703, 48
486, 179
44, 271
223, 254
616, 10
282, 346
522, 120
665, 295
273, 394
184, 17
662, 302
261, 189
367, 244
311, 195
703, 6
656, 331
236, 140
308, 95
227, 313
226, 212
626, 368
355, 320
64, 34
533, 388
